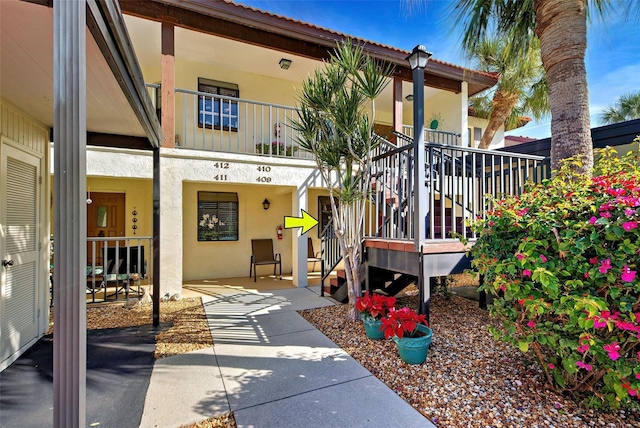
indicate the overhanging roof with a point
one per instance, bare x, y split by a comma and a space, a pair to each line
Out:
272, 31
117, 100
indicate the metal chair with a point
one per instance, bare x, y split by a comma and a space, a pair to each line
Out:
262, 254
311, 255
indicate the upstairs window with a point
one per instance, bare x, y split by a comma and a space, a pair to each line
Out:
217, 216
218, 111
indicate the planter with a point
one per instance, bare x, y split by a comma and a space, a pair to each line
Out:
413, 350
372, 327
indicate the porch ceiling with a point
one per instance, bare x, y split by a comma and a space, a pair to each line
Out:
26, 67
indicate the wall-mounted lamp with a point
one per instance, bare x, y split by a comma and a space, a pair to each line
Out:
285, 63
409, 97
266, 204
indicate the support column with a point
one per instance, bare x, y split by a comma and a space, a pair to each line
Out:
300, 201
156, 237
171, 219
70, 213
397, 106
464, 112
168, 82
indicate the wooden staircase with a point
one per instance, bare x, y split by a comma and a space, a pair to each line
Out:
381, 281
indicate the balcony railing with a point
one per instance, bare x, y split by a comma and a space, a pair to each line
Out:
437, 137
235, 125
117, 268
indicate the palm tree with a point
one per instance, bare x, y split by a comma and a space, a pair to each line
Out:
561, 27
521, 89
334, 125
627, 107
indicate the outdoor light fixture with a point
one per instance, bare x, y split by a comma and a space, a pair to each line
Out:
284, 64
419, 57
409, 97
266, 204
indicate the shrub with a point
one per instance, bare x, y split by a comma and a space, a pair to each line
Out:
276, 148
561, 262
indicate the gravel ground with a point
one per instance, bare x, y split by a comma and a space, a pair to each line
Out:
469, 379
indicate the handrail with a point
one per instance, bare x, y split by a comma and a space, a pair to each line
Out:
330, 254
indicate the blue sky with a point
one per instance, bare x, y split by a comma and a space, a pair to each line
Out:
613, 59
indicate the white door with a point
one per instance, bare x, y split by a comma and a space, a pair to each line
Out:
19, 252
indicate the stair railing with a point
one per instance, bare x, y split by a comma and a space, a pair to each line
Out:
330, 254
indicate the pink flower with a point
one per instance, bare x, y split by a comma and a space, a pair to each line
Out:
503, 288
638, 376
629, 212
531, 324
520, 256
593, 260
628, 275
593, 220
612, 349
627, 326
605, 266
632, 392
552, 366
585, 366
629, 225
605, 214
523, 211
637, 314
606, 206
543, 258
526, 272
583, 348
586, 274
599, 324
491, 223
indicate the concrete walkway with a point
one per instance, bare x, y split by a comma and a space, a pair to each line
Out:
272, 369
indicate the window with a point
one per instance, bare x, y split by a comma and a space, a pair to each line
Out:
217, 216
214, 111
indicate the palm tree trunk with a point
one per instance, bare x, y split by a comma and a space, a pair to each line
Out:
503, 102
561, 27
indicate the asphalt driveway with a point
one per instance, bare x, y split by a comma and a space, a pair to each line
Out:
119, 365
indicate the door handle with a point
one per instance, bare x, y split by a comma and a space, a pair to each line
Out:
6, 263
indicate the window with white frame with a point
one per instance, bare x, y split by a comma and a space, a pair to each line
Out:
217, 216
218, 110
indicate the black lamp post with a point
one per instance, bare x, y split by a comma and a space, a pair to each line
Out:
418, 61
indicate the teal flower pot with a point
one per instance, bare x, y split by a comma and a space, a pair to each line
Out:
413, 350
372, 327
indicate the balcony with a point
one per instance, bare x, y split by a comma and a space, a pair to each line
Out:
220, 123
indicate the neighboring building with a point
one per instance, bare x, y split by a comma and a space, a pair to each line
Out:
224, 79
618, 135
513, 140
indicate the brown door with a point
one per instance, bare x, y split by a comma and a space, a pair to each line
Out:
105, 215
105, 218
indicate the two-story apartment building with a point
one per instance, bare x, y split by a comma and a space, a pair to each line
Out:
224, 80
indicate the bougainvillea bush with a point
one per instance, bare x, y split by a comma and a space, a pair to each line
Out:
562, 261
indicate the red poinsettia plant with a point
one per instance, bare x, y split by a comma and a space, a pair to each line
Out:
402, 322
375, 305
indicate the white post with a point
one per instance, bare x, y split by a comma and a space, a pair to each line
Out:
464, 115
70, 212
300, 201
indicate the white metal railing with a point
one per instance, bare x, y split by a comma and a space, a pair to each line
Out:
226, 124
433, 136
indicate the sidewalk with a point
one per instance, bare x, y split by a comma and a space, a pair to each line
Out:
272, 369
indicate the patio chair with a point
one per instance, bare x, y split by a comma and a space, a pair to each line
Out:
262, 254
311, 255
